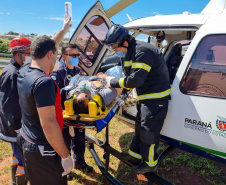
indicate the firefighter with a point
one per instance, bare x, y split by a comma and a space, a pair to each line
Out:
10, 112
146, 71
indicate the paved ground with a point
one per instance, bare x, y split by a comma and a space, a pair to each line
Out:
3, 62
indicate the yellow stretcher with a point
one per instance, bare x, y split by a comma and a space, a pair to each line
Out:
86, 117
97, 117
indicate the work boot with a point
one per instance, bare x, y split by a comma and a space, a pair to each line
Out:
21, 180
144, 168
84, 167
13, 174
129, 158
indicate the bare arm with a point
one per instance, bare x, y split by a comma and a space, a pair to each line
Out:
52, 130
60, 35
102, 75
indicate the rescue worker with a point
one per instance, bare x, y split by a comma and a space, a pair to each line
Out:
46, 157
69, 68
146, 71
10, 112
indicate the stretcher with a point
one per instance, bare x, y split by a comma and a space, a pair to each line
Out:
100, 122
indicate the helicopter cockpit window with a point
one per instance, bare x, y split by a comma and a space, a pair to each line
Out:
206, 75
89, 39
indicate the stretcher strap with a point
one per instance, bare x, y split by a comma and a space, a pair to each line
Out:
103, 122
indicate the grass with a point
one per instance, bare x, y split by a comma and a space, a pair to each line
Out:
5, 150
5, 58
179, 167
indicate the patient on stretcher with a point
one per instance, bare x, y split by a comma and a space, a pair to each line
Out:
89, 95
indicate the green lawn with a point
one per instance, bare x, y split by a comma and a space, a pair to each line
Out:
179, 167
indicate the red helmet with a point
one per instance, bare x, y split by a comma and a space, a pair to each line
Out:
19, 43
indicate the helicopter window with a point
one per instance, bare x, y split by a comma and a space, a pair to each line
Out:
89, 39
206, 73
184, 49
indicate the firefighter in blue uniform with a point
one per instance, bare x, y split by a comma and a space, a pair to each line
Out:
68, 68
10, 112
146, 71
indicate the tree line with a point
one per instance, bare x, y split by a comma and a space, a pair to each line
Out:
21, 35
5, 44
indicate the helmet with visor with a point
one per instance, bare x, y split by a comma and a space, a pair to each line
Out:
115, 35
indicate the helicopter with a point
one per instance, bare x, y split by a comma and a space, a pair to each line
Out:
194, 48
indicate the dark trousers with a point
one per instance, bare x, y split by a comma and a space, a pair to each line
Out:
149, 122
42, 164
76, 144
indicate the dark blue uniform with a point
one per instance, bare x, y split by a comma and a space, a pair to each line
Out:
10, 112
77, 143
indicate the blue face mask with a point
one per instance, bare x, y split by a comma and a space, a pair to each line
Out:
74, 61
120, 54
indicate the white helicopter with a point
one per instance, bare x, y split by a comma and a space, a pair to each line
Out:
196, 113
195, 53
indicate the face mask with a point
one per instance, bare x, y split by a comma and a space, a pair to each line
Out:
27, 59
56, 65
74, 61
85, 89
120, 54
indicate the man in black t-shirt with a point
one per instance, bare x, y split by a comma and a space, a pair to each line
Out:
46, 157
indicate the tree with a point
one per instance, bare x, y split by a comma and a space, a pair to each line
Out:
4, 48
33, 35
1, 41
61, 43
49, 36
12, 33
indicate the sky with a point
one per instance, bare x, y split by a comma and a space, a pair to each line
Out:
45, 17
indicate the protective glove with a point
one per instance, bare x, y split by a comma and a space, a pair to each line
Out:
108, 79
67, 24
17, 131
67, 164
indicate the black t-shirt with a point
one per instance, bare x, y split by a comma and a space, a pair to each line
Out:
36, 89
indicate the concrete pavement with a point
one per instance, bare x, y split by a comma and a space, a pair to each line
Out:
3, 62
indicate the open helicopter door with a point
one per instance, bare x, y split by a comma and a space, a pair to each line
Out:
88, 35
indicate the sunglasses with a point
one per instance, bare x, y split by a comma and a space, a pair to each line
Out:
73, 55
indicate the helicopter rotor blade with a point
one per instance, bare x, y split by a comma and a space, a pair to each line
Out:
119, 6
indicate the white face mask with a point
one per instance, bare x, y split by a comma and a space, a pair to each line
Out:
27, 59
56, 65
